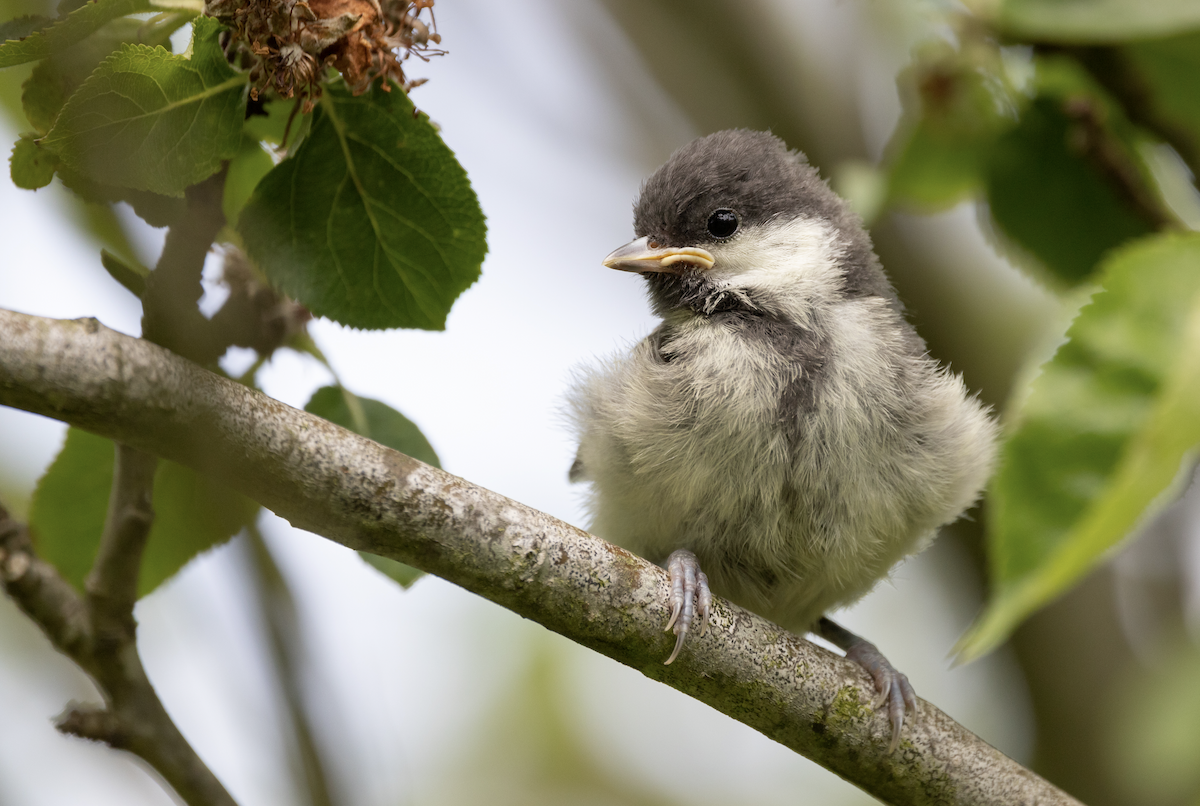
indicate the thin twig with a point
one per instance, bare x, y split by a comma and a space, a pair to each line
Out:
170, 316
43, 595
330, 481
112, 584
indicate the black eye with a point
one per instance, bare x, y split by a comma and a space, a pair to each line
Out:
722, 223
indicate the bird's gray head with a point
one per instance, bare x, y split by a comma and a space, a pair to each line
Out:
735, 219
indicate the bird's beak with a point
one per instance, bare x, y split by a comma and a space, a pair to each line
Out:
641, 257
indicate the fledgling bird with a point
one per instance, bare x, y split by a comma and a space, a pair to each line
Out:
781, 439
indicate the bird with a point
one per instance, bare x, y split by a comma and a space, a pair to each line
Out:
782, 438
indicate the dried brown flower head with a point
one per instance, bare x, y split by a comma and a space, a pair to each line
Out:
287, 44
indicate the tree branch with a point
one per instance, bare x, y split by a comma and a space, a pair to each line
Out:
112, 583
169, 304
349, 489
99, 633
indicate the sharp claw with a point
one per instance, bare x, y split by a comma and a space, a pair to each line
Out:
881, 697
897, 724
892, 688
895, 714
691, 599
678, 646
674, 615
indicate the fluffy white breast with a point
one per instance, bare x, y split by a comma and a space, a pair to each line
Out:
690, 440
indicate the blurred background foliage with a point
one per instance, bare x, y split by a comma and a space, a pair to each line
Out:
1065, 137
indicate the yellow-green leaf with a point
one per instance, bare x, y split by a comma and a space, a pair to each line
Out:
192, 513
1096, 21
1101, 437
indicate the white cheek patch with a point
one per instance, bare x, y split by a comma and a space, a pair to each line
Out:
788, 265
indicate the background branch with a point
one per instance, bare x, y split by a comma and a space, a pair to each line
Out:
278, 609
329, 481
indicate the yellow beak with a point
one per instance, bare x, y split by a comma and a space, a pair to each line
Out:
641, 256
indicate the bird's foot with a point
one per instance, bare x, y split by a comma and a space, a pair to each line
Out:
690, 598
892, 687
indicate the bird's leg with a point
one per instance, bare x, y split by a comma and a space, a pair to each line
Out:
893, 687
690, 597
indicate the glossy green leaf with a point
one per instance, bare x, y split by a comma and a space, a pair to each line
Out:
30, 165
372, 223
64, 33
1096, 21
150, 120
1103, 434
191, 513
245, 171
1048, 192
385, 425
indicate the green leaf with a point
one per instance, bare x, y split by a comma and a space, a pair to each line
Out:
1164, 72
404, 575
56, 78
1096, 21
246, 170
191, 513
67, 512
64, 33
21, 27
149, 120
155, 209
372, 419
933, 172
277, 120
380, 422
1046, 191
955, 108
30, 165
372, 223
127, 273
1102, 436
